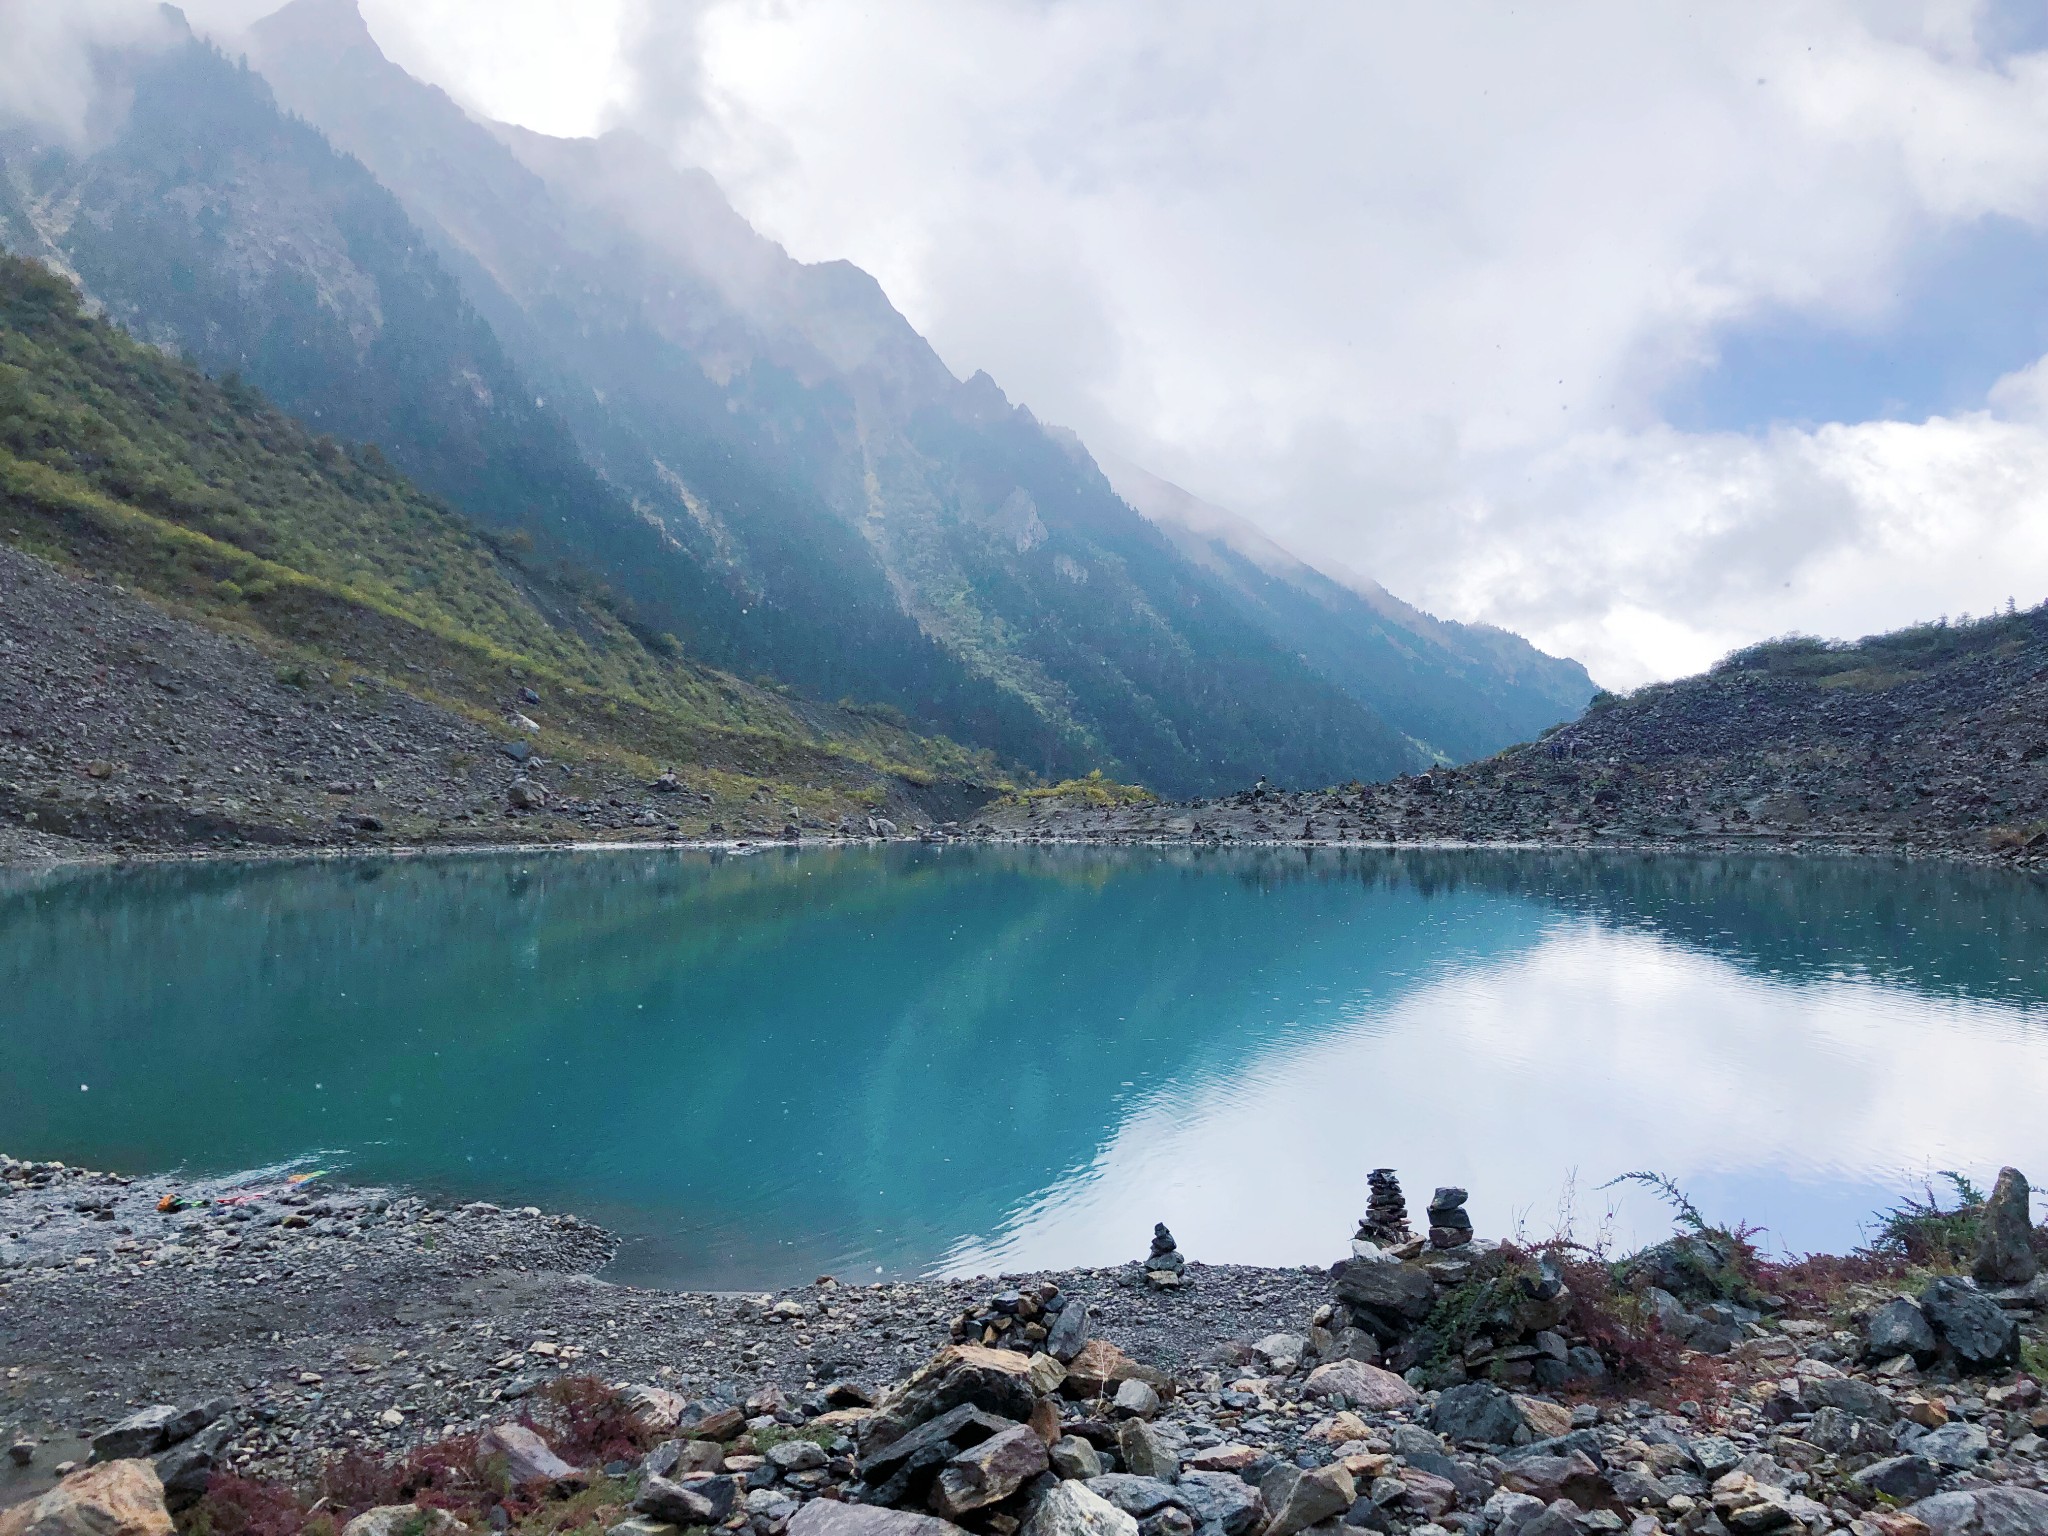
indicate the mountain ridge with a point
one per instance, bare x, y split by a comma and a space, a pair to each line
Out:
1460, 691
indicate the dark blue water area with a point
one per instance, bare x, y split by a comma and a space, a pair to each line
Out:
760, 1069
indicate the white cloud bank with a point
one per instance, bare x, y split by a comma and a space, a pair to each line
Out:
1403, 284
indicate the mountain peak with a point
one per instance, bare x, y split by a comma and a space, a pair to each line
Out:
331, 24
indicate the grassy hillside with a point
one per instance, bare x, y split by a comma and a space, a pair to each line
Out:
118, 460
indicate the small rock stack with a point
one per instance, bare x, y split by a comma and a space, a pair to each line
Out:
1164, 1266
1386, 1212
1449, 1226
1022, 1319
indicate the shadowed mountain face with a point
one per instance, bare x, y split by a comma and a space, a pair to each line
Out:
1462, 691
577, 340
784, 422
217, 227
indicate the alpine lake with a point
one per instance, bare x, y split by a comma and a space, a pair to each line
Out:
764, 1067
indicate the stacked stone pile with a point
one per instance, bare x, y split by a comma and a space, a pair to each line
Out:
1165, 1269
1032, 1319
1386, 1212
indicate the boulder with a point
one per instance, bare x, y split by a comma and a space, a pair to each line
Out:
1144, 1452
1393, 1293
701, 1421
705, 1501
140, 1434
116, 1498
1984, 1512
1136, 1496
1280, 1352
829, 1517
404, 1520
1897, 1328
1068, 1509
524, 1457
1426, 1494
1693, 1267
995, 1380
1480, 1413
1360, 1385
899, 1469
654, 1408
1903, 1478
797, 1455
1100, 1366
1850, 1396
1977, 1331
988, 1473
1071, 1456
2005, 1251
1046, 1374
1953, 1446
1135, 1399
1222, 1500
186, 1467
1069, 1331
1301, 1498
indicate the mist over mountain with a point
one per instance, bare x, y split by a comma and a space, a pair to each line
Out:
1463, 691
580, 341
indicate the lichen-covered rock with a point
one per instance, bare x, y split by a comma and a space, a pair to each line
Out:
2005, 1251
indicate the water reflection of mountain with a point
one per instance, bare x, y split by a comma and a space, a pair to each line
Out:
784, 1064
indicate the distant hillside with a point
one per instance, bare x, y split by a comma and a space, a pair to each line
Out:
1931, 740
126, 465
216, 226
1460, 691
785, 424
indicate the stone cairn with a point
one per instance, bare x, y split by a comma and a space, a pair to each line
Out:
1449, 1226
1386, 1213
1021, 1319
1164, 1265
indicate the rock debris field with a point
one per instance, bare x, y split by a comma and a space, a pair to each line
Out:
268, 1357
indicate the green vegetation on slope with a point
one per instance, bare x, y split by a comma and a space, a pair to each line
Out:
117, 459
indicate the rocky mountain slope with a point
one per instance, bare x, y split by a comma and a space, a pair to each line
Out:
814, 499
1460, 691
215, 226
783, 419
329, 653
1929, 740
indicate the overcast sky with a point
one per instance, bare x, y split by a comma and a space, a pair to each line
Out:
1646, 329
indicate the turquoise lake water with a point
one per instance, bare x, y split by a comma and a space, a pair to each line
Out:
761, 1069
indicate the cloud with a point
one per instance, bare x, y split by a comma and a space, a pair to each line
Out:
50, 69
1409, 287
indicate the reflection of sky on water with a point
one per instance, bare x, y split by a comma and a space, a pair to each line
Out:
1799, 1107
859, 1061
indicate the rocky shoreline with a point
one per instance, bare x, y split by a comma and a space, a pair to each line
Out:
339, 1351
